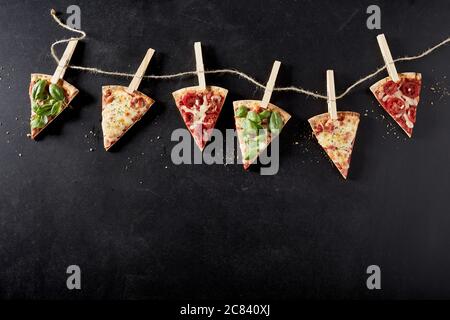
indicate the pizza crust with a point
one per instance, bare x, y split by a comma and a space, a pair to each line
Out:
69, 90
407, 75
181, 92
325, 116
115, 125
251, 105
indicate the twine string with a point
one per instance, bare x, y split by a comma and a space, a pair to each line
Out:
235, 72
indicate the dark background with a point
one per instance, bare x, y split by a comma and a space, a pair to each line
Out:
140, 230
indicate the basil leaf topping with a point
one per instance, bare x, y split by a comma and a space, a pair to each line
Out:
250, 127
44, 110
39, 122
265, 114
38, 90
56, 92
34, 106
253, 116
56, 108
276, 122
241, 112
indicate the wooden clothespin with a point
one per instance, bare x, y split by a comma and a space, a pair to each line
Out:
387, 57
270, 84
331, 94
199, 65
64, 62
134, 84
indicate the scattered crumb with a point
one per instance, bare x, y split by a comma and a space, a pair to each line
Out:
20, 155
440, 89
91, 149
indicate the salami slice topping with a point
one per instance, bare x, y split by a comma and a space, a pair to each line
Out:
400, 99
200, 109
390, 87
410, 88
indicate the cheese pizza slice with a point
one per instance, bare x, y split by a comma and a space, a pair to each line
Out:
47, 101
337, 137
200, 109
400, 99
256, 127
120, 111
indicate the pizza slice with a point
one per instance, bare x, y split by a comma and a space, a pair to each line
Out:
337, 137
47, 101
120, 111
200, 109
257, 127
400, 99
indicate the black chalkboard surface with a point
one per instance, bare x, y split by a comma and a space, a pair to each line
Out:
140, 227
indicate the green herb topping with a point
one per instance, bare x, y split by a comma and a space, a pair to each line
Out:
47, 101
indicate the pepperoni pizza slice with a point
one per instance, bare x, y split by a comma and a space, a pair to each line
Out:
200, 109
256, 127
337, 137
120, 111
400, 99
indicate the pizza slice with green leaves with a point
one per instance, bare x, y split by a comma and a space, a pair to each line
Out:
256, 127
47, 101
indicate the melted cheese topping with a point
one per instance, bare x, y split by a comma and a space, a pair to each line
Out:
408, 102
337, 138
117, 116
